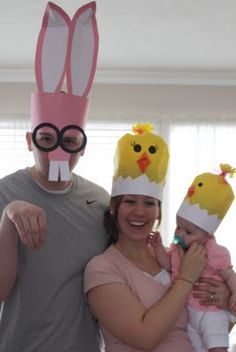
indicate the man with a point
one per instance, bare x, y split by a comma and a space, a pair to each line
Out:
51, 222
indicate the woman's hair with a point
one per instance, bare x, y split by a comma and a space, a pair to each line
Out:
110, 220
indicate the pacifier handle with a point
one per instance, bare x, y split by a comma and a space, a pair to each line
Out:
178, 240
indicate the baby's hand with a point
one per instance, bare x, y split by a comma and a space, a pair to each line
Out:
161, 252
155, 239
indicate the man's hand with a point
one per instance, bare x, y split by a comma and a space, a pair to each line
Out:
29, 221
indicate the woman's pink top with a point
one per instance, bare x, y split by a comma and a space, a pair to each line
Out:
112, 267
218, 258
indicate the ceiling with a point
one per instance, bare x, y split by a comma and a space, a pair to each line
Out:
141, 41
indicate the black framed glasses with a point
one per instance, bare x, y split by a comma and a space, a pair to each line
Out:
47, 137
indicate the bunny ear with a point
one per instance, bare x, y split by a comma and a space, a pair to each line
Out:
83, 50
52, 49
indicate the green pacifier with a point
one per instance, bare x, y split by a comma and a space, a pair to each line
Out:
178, 240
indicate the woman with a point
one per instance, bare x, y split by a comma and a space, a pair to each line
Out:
132, 297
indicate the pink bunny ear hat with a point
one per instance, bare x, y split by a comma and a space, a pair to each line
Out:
66, 49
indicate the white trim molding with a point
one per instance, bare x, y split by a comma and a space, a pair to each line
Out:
211, 77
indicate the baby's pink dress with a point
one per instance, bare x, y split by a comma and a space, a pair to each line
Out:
218, 258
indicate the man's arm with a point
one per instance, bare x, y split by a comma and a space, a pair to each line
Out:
8, 255
21, 219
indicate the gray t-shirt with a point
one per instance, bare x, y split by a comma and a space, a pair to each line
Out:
46, 311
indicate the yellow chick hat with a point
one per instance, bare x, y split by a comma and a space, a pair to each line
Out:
208, 199
140, 163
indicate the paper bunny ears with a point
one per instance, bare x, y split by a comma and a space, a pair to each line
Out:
66, 49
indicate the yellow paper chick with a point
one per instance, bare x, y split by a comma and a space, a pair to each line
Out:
212, 192
142, 153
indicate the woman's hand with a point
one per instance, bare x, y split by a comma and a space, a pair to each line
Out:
212, 292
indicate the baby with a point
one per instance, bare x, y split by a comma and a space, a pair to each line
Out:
204, 207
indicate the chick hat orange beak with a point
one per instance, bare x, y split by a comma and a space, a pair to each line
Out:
66, 51
208, 199
140, 163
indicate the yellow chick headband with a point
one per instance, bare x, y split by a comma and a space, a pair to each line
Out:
140, 163
208, 199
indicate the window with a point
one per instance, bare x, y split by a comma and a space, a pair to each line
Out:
13, 149
195, 147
